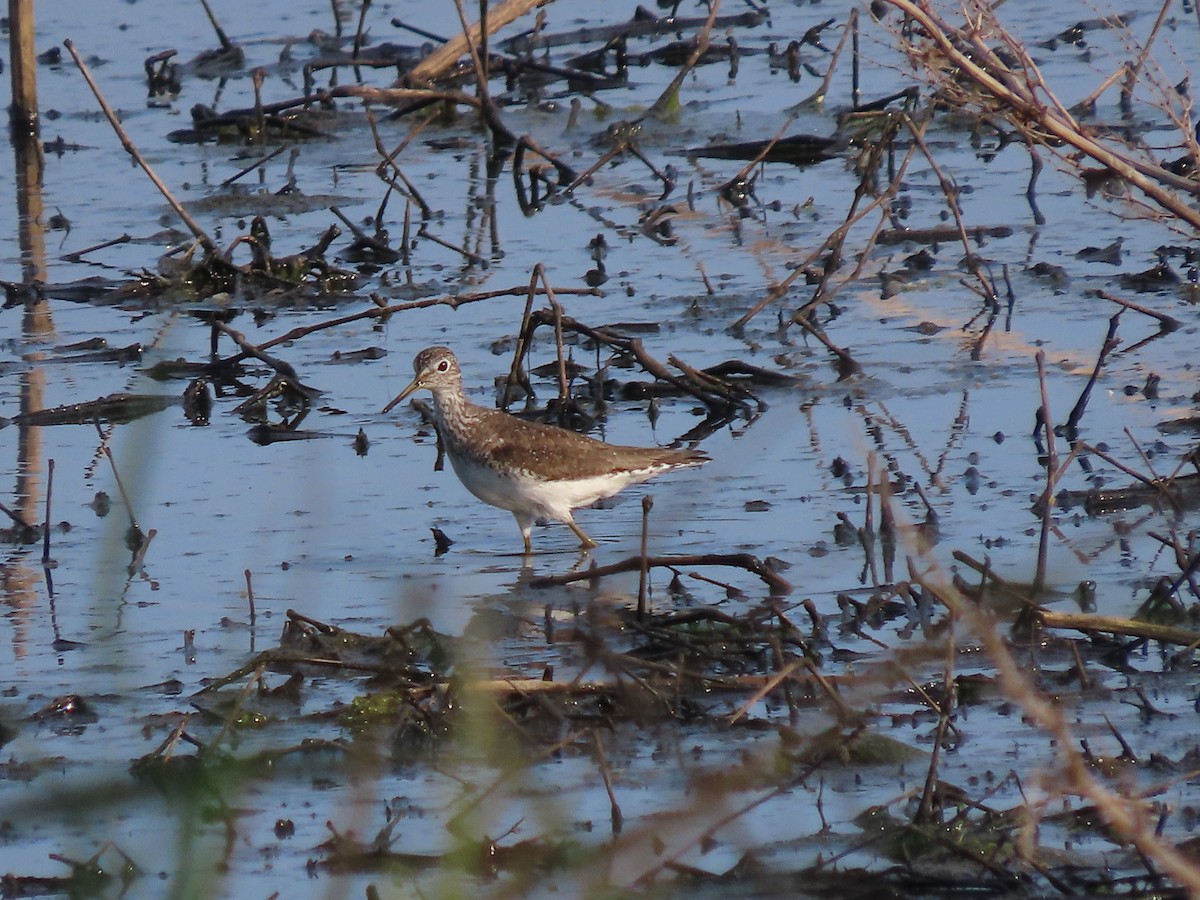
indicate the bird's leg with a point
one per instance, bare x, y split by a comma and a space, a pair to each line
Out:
584, 541
525, 523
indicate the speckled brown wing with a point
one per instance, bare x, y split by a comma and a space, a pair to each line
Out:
557, 454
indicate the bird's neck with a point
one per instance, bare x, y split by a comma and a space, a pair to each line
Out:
453, 409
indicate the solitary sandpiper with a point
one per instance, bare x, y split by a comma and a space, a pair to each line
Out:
536, 471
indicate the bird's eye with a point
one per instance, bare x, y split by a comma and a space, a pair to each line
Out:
443, 366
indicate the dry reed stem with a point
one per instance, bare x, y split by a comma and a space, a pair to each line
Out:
436, 64
1090, 624
1031, 106
24, 115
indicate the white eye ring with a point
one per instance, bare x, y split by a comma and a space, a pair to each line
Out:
443, 366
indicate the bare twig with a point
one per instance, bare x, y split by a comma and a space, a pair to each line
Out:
193, 226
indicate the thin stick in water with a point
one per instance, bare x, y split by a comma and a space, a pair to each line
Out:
132, 150
618, 818
117, 476
250, 596
46, 529
139, 558
1039, 580
644, 571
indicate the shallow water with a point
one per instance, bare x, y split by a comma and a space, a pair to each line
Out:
347, 539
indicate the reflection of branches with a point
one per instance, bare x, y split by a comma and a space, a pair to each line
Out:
834, 240
531, 202
622, 136
957, 431
389, 162
1166, 323
987, 289
1110, 343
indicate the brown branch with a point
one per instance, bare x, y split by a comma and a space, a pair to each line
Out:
752, 564
1165, 322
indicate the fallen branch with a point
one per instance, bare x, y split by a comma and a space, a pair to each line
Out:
778, 586
1119, 626
437, 63
1165, 322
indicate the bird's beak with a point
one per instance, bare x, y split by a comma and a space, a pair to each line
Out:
416, 383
